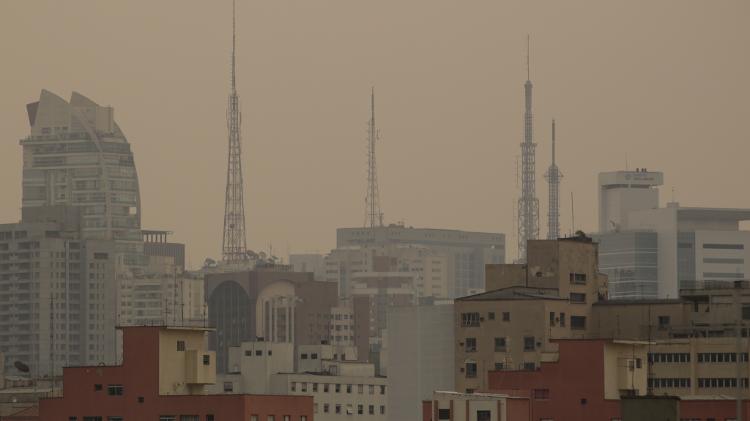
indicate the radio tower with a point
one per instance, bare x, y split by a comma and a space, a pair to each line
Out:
234, 245
528, 204
373, 215
553, 177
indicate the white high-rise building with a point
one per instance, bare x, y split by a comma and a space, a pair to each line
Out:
621, 192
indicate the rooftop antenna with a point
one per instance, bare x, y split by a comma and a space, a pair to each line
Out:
373, 214
572, 214
234, 245
528, 204
553, 177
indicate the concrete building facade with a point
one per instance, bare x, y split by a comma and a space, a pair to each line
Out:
271, 303
420, 357
56, 293
465, 253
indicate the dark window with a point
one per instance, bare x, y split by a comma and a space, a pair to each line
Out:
258, 352
248, 353
529, 366
491, 315
93, 419
483, 416
360, 409
382, 390
506, 316
469, 319
304, 356
471, 370
578, 322
499, 344
562, 319
746, 312
180, 345
444, 414
206, 359
664, 322
551, 318
471, 345
115, 390
140, 399
541, 393
499, 366
228, 387
724, 246
578, 278
528, 343
313, 356
97, 387
577, 297
101, 256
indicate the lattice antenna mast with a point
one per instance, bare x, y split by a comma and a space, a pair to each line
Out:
553, 177
528, 204
373, 214
234, 248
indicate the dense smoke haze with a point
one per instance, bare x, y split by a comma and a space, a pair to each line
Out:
660, 85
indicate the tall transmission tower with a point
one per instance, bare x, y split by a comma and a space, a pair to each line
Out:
234, 248
373, 215
553, 177
528, 204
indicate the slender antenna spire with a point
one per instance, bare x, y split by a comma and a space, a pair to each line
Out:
528, 204
234, 37
528, 57
373, 215
234, 245
553, 176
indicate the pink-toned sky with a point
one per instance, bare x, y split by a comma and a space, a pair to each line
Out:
663, 85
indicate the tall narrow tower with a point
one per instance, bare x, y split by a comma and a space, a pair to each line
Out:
528, 204
234, 245
373, 215
553, 177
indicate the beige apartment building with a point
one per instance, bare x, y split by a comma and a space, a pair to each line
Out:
509, 327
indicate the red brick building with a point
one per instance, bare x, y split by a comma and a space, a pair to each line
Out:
162, 377
587, 380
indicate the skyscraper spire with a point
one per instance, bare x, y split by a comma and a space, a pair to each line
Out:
234, 248
373, 215
553, 177
528, 204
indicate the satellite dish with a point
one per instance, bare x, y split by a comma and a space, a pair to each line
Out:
23, 368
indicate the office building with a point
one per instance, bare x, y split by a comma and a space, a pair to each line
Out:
465, 252
269, 303
510, 326
77, 155
57, 295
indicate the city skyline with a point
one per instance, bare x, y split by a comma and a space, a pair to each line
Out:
452, 133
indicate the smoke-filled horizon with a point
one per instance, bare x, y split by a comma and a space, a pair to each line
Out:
650, 85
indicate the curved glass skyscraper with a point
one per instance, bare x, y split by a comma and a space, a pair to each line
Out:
77, 155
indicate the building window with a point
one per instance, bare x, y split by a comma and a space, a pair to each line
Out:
180, 345
499, 366
270, 418
348, 388
528, 343
551, 318
161, 418
664, 322
303, 418
259, 353
500, 344
338, 388
529, 366
338, 408
97, 387
371, 389
471, 345
326, 408
304, 356
506, 316
313, 356
206, 359
371, 409
382, 409
484, 415
578, 322
254, 417
248, 353
210, 417
115, 390
540, 393
325, 387
444, 414
287, 418
360, 409
491, 315
315, 387
577, 278
94, 419
724, 246
577, 297
562, 319
189, 418
469, 319
382, 389
471, 370
228, 387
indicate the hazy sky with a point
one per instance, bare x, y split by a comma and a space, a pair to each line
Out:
665, 84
